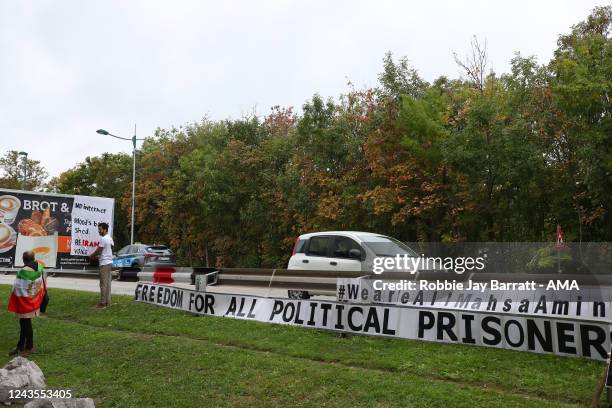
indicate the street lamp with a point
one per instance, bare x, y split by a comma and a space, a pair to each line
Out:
133, 139
25, 169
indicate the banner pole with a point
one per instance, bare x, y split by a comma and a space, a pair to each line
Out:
601, 385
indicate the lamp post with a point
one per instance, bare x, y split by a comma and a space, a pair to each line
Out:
25, 169
133, 139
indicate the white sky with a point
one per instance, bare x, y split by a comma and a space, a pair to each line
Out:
68, 68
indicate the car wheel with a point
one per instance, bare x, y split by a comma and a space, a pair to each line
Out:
135, 269
298, 294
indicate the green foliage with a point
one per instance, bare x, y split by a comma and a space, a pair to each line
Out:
13, 169
491, 157
107, 175
582, 85
400, 78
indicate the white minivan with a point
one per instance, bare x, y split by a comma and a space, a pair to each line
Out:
342, 251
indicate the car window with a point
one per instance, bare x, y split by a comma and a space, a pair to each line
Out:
318, 246
300, 246
124, 250
159, 249
386, 246
342, 246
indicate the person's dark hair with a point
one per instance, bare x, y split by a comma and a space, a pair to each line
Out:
103, 225
28, 257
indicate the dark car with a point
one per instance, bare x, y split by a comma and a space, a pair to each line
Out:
131, 258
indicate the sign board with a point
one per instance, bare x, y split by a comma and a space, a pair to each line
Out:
87, 213
538, 334
48, 225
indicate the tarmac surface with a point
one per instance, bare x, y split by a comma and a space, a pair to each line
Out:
91, 284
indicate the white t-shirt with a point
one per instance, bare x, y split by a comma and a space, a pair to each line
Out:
106, 243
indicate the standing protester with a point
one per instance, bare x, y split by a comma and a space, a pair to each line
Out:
26, 297
104, 253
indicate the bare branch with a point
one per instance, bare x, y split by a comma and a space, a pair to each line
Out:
475, 65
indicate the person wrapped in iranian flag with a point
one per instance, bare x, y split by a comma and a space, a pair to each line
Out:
25, 301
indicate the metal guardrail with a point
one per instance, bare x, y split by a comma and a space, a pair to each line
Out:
171, 274
319, 282
316, 282
93, 272
324, 282
592, 280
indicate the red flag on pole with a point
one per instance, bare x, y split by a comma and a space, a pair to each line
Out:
560, 238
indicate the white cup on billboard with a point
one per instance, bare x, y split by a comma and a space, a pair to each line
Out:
9, 207
44, 248
8, 236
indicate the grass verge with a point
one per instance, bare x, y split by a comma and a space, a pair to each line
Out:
143, 356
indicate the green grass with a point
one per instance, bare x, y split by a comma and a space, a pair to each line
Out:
142, 355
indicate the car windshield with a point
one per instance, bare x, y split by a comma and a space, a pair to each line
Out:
386, 246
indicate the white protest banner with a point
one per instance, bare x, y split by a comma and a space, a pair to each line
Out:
537, 334
87, 213
589, 302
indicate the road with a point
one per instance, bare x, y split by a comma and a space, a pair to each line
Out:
127, 287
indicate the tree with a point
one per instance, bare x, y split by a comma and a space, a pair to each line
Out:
581, 86
400, 78
475, 64
13, 168
483, 157
107, 175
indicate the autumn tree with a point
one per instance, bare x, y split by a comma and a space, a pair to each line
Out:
483, 157
107, 175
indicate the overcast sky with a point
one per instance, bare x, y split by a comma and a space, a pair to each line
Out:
68, 68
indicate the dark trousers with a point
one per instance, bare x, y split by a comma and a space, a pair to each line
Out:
26, 335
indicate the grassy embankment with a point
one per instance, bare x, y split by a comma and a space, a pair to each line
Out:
146, 356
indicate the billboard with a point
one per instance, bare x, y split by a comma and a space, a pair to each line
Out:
60, 229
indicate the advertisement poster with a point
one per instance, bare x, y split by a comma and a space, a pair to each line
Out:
43, 223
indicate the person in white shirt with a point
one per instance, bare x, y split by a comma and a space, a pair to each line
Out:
104, 253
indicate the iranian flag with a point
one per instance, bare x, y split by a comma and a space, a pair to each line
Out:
28, 291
